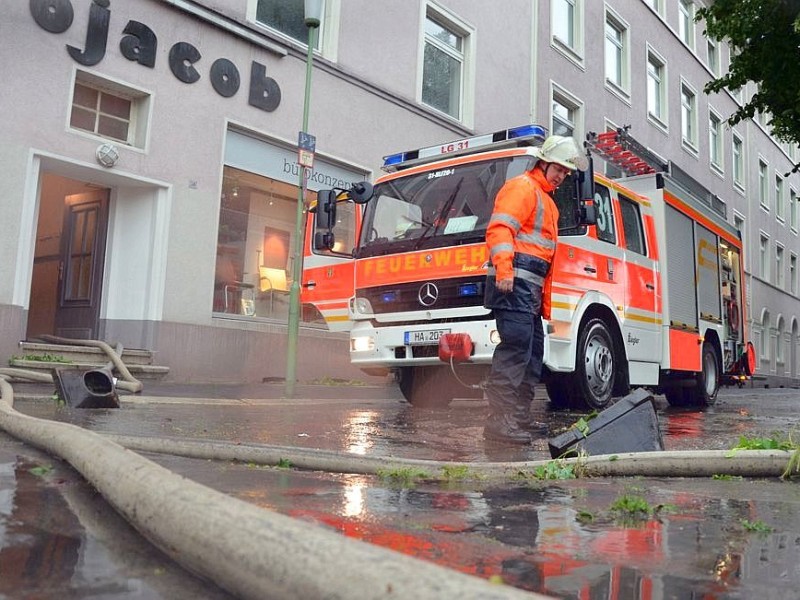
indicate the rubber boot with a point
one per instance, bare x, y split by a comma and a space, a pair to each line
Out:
504, 428
522, 416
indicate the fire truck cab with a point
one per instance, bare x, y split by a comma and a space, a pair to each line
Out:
647, 288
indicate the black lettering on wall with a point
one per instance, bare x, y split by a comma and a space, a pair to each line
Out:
225, 77
96, 37
181, 58
140, 44
264, 91
54, 16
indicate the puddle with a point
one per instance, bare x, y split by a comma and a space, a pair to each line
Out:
561, 538
59, 538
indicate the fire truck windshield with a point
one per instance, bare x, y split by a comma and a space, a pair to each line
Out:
439, 207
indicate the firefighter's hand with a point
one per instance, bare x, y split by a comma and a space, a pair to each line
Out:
506, 286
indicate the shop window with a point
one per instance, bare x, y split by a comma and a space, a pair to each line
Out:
108, 110
254, 245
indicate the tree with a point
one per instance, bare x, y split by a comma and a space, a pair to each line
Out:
764, 38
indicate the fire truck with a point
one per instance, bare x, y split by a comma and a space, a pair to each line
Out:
648, 287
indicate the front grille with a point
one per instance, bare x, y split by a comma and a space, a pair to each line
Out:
437, 294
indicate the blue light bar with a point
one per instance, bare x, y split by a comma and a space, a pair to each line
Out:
526, 130
389, 296
533, 134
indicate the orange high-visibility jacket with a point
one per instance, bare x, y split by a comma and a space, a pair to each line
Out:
524, 221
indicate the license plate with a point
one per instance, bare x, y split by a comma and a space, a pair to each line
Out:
425, 336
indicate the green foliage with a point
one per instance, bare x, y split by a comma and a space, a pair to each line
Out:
757, 525
584, 516
458, 473
284, 463
41, 470
630, 505
726, 477
771, 443
764, 37
555, 469
403, 476
50, 358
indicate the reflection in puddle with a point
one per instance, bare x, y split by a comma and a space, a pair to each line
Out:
360, 432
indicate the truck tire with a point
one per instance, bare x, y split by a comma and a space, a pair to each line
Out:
558, 390
431, 387
595, 367
704, 393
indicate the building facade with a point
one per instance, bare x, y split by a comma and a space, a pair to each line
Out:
149, 152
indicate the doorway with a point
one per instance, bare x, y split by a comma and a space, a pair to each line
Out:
69, 258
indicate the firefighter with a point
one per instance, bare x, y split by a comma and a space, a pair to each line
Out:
521, 237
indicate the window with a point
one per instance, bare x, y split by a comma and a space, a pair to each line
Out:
686, 22
738, 161
605, 215
108, 109
713, 56
566, 26
715, 141
632, 225
689, 117
779, 266
793, 274
656, 99
793, 209
763, 253
763, 190
779, 209
566, 114
443, 69
779, 356
617, 53
287, 17
656, 5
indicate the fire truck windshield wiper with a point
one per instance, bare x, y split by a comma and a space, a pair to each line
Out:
433, 227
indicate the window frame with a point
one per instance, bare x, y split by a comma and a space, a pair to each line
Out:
140, 111
738, 160
561, 96
763, 184
626, 203
574, 49
455, 25
689, 142
622, 87
763, 255
716, 141
794, 209
780, 252
793, 273
327, 33
713, 64
659, 119
780, 189
686, 27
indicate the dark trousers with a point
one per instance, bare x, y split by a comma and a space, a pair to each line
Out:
517, 362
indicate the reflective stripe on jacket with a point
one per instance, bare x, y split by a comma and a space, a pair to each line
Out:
521, 237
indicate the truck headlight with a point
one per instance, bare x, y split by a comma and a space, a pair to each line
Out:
361, 306
362, 344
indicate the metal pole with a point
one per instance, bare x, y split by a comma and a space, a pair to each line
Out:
297, 256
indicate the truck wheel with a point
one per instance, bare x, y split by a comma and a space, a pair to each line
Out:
558, 390
705, 392
595, 369
426, 386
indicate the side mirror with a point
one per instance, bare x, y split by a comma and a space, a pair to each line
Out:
587, 212
326, 209
361, 193
323, 240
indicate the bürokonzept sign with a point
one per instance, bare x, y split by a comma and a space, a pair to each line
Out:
139, 44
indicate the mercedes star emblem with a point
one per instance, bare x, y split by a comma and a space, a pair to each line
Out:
428, 294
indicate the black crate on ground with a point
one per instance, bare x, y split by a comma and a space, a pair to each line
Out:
629, 425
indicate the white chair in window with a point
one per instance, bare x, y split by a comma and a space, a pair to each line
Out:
272, 280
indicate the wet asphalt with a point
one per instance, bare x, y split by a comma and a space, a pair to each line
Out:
571, 538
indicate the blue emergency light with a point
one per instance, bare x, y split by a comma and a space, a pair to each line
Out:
469, 289
533, 134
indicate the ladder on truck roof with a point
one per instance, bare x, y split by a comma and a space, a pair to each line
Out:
632, 158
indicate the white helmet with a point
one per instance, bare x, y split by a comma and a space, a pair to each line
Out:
563, 151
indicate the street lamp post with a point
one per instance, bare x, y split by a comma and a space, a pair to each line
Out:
313, 16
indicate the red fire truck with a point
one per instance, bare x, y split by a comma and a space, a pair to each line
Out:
648, 286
